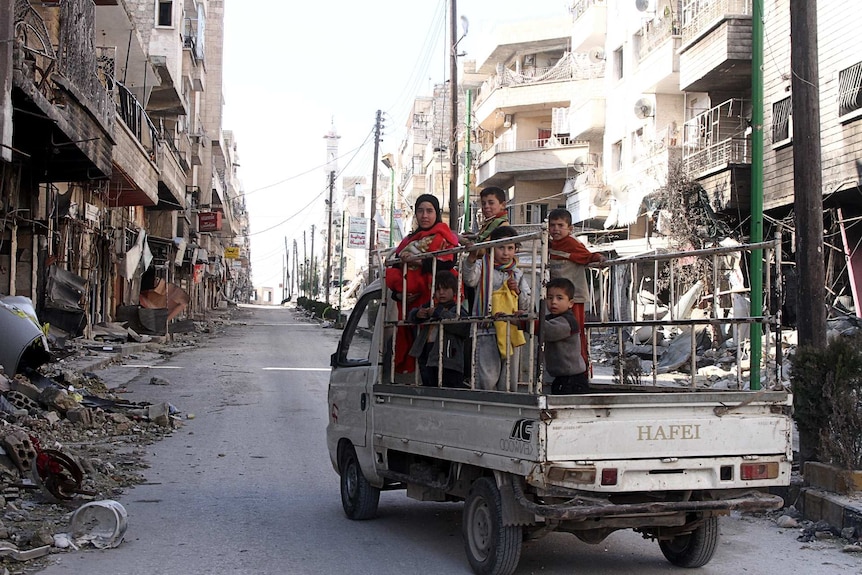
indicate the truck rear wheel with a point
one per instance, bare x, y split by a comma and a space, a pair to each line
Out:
492, 548
694, 549
358, 497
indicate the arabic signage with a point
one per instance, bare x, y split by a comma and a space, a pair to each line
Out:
357, 233
231, 252
209, 221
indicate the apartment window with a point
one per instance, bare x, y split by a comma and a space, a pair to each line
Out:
536, 213
617, 156
782, 122
164, 13
618, 63
850, 89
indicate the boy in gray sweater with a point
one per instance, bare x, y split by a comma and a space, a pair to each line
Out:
562, 336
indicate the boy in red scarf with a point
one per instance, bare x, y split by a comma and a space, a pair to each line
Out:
568, 258
431, 235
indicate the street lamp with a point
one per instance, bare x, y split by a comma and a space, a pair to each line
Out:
387, 161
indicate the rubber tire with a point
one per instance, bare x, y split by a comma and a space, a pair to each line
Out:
358, 497
694, 549
492, 548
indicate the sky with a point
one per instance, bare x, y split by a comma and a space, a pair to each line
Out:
291, 74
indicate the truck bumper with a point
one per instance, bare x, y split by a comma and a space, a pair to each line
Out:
579, 508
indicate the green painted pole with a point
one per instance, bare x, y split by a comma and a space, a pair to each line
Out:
756, 266
468, 163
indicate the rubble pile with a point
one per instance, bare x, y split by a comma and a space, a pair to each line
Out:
720, 362
66, 441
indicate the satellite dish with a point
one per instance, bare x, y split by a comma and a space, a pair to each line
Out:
580, 165
602, 197
643, 108
597, 55
643, 5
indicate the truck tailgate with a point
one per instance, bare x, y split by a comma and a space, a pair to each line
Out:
686, 424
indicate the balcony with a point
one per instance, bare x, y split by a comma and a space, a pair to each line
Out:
544, 158
193, 38
717, 139
172, 177
513, 91
587, 196
587, 116
591, 18
716, 45
656, 47
134, 178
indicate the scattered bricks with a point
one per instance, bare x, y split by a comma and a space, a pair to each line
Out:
57, 399
21, 401
19, 448
80, 416
21, 385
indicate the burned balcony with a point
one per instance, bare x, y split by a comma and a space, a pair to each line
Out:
62, 107
717, 138
717, 152
134, 181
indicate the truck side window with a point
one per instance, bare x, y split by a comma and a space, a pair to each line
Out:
356, 341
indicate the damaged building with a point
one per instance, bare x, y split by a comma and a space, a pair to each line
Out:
119, 197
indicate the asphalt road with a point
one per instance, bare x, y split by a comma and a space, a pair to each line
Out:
246, 486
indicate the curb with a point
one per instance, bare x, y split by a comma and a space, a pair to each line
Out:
839, 511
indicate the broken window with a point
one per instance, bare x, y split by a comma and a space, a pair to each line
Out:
164, 13
782, 123
850, 89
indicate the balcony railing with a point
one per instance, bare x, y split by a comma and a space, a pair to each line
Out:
578, 7
699, 15
730, 151
654, 34
192, 38
569, 67
136, 119
537, 144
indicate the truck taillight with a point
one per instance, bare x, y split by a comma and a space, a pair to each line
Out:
749, 471
582, 475
609, 476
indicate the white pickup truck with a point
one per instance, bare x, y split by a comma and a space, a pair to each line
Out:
663, 461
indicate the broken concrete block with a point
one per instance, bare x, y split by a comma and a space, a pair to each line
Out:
21, 385
51, 417
19, 448
57, 399
159, 381
160, 414
80, 416
21, 401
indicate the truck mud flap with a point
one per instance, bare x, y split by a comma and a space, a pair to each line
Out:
580, 508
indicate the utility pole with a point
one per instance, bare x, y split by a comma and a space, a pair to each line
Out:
295, 277
329, 237
371, 240
285, 274
807, 189
315, 288
304, 266
7, 35
468, 162
453, 90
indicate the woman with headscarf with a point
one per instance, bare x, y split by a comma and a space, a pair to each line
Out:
430, 235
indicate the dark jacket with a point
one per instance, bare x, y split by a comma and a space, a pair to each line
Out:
454, 335
562, 336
